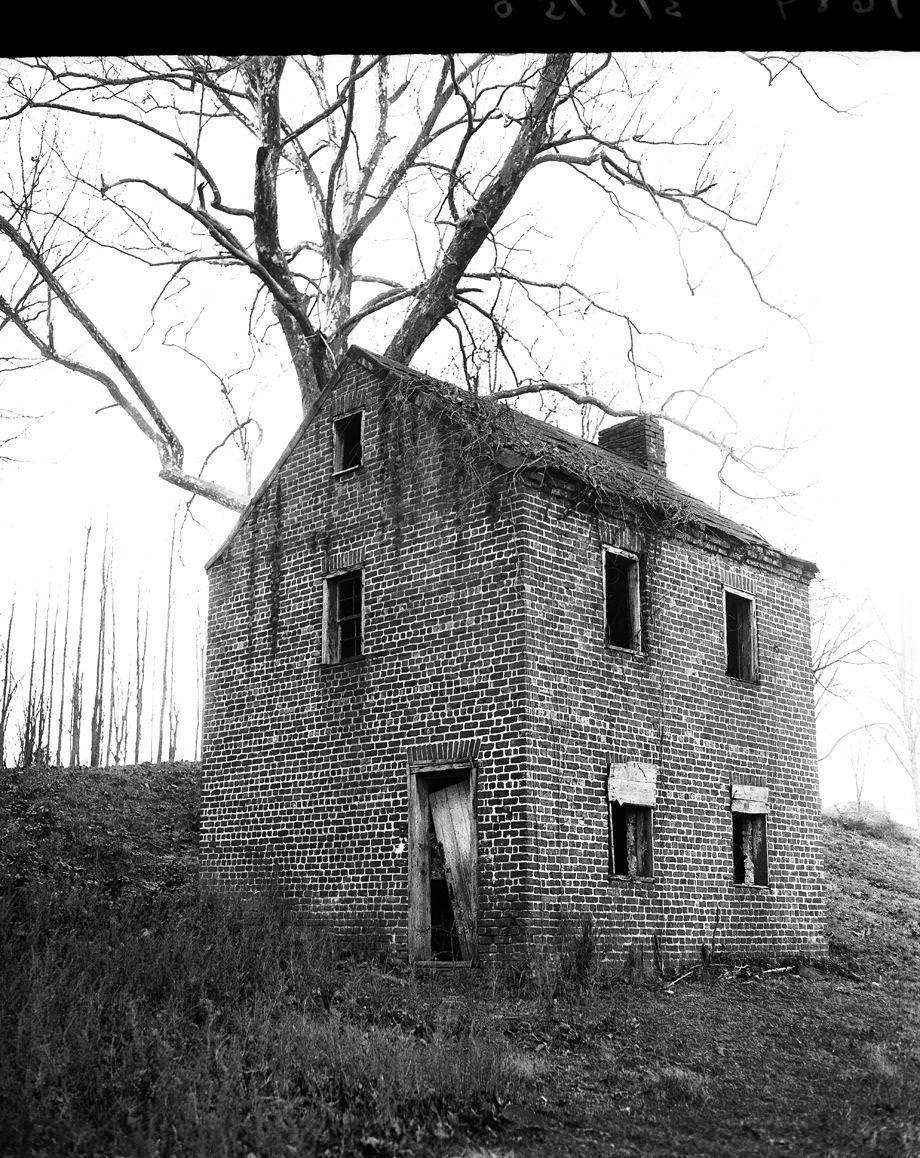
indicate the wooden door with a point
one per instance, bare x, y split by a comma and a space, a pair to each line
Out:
452, 816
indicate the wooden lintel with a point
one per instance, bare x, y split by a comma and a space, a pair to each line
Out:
440, 767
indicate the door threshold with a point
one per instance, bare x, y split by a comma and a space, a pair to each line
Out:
443, 964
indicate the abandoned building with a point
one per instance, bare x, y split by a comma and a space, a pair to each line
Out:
470, 676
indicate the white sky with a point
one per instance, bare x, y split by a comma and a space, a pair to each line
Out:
839, 247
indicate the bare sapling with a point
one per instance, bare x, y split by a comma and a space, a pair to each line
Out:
40, 756
52, 668
113, 652
199, 683
9, 685
96, 723
140, 672
173, 705
29, 722
76, 697
63, 696
166, 643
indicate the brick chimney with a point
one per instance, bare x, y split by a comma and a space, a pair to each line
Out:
639, 440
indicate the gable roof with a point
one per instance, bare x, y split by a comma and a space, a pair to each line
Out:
540, 444
519, 440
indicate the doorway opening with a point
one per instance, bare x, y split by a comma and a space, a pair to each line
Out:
442, 866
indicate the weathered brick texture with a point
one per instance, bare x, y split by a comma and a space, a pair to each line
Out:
484, 629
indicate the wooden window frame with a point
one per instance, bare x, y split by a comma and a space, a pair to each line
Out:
332, 638
634, 580
754, 676
337, 422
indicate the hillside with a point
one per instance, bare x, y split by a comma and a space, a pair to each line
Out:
143, 1023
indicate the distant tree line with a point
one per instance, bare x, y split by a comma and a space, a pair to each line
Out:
89, 687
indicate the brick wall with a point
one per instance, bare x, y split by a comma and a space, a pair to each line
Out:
484, 624
673, 706
305, 765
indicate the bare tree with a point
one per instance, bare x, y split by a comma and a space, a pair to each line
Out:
903, 737
844, 639
121, 723
346, 154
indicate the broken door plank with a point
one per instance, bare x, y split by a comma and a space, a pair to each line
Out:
452, 816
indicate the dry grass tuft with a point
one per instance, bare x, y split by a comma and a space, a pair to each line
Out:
677, 1082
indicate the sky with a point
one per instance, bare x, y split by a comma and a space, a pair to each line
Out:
838, 248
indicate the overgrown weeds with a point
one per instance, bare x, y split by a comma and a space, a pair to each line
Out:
160, 1025
568, 966
881, 827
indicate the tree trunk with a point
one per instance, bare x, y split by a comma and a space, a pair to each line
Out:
438, 298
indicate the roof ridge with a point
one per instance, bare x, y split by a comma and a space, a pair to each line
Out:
654, 482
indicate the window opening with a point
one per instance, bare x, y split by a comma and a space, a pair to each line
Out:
631, 840
345, 610
739, 636
621, 600
749, 847
348, 446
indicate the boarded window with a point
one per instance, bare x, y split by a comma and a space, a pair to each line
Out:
344, 616
749, 848
740, 642
630, 840
621, 600
348, 448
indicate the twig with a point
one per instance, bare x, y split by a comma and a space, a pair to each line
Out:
682, 977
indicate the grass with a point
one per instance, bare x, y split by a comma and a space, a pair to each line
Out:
140, 1021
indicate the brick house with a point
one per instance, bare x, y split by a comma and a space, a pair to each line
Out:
469, 674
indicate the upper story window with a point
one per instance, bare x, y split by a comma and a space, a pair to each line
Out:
740, 636
348, 442
622, 607
343, 636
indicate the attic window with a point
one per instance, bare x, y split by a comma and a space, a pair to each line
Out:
343, 638
621, 600
740, 636
749, 848
347, 432
630, 840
